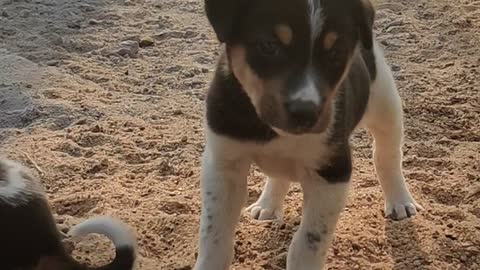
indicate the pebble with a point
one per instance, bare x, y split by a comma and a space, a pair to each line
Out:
74, 25
24, 13
5, 14
86, 8
128, 47
395, 67
146, 42
52, 63
391, 6
93, 22
168, 34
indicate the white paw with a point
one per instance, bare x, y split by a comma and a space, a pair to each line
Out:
402, 208
262, 211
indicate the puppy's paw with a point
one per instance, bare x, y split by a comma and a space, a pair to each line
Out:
402, 208
262, 211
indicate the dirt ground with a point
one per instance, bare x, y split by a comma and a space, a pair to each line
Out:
116, 129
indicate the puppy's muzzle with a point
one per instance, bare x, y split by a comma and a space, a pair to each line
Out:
303, 115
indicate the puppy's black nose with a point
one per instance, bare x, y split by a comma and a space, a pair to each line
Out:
303, 113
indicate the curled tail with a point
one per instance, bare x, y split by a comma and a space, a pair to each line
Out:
118, 233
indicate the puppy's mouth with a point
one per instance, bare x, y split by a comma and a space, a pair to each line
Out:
294, 128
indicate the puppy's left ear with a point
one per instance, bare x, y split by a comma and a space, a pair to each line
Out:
364, 16
222, 15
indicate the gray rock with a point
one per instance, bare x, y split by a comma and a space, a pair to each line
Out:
128, 47
4, 13
86, 8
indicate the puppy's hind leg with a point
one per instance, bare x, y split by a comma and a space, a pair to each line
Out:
384, 120
269, 205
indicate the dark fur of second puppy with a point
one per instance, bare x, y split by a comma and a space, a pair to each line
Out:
29, 236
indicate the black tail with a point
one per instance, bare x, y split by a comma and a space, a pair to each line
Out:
118, 233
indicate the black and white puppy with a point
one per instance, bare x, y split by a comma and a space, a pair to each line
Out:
29, 238
294, 80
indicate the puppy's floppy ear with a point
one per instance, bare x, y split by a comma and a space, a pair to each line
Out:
364, 16
222, 15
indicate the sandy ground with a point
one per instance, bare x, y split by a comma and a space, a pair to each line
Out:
117, 130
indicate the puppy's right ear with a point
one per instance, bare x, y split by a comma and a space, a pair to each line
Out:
222, 15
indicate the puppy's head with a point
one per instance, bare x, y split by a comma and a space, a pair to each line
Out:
290, 56
17, 184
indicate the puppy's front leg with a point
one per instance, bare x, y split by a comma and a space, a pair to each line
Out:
224, 190
324, 199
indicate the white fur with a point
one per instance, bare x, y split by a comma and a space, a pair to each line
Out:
307, 93
323, 203
384, 120
17, 190
316, 19
224, 191
113, 229
269, 205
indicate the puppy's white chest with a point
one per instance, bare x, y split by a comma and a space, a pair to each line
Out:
293, 158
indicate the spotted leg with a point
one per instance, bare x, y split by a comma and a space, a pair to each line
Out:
324, 199
224, 190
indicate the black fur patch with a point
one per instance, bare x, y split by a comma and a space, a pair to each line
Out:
351, 101
369, 58
313, 240
339, 169
231, 113
124, 259
27, 233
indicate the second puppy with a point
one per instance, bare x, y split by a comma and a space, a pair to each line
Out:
28, 233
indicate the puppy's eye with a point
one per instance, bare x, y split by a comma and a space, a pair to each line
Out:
332, 52
268, 48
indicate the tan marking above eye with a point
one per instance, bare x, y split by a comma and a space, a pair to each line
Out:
284, 33
329, 40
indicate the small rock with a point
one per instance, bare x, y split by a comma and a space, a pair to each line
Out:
24, 13
86, 8
398, 22
4, 14
74, 25
97, 129
190, 34
146, 42
395, 67
391, 6
451, 236
128, 47
417, 262
168, 34
177, 112
356, 247
52, 63
93, 22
